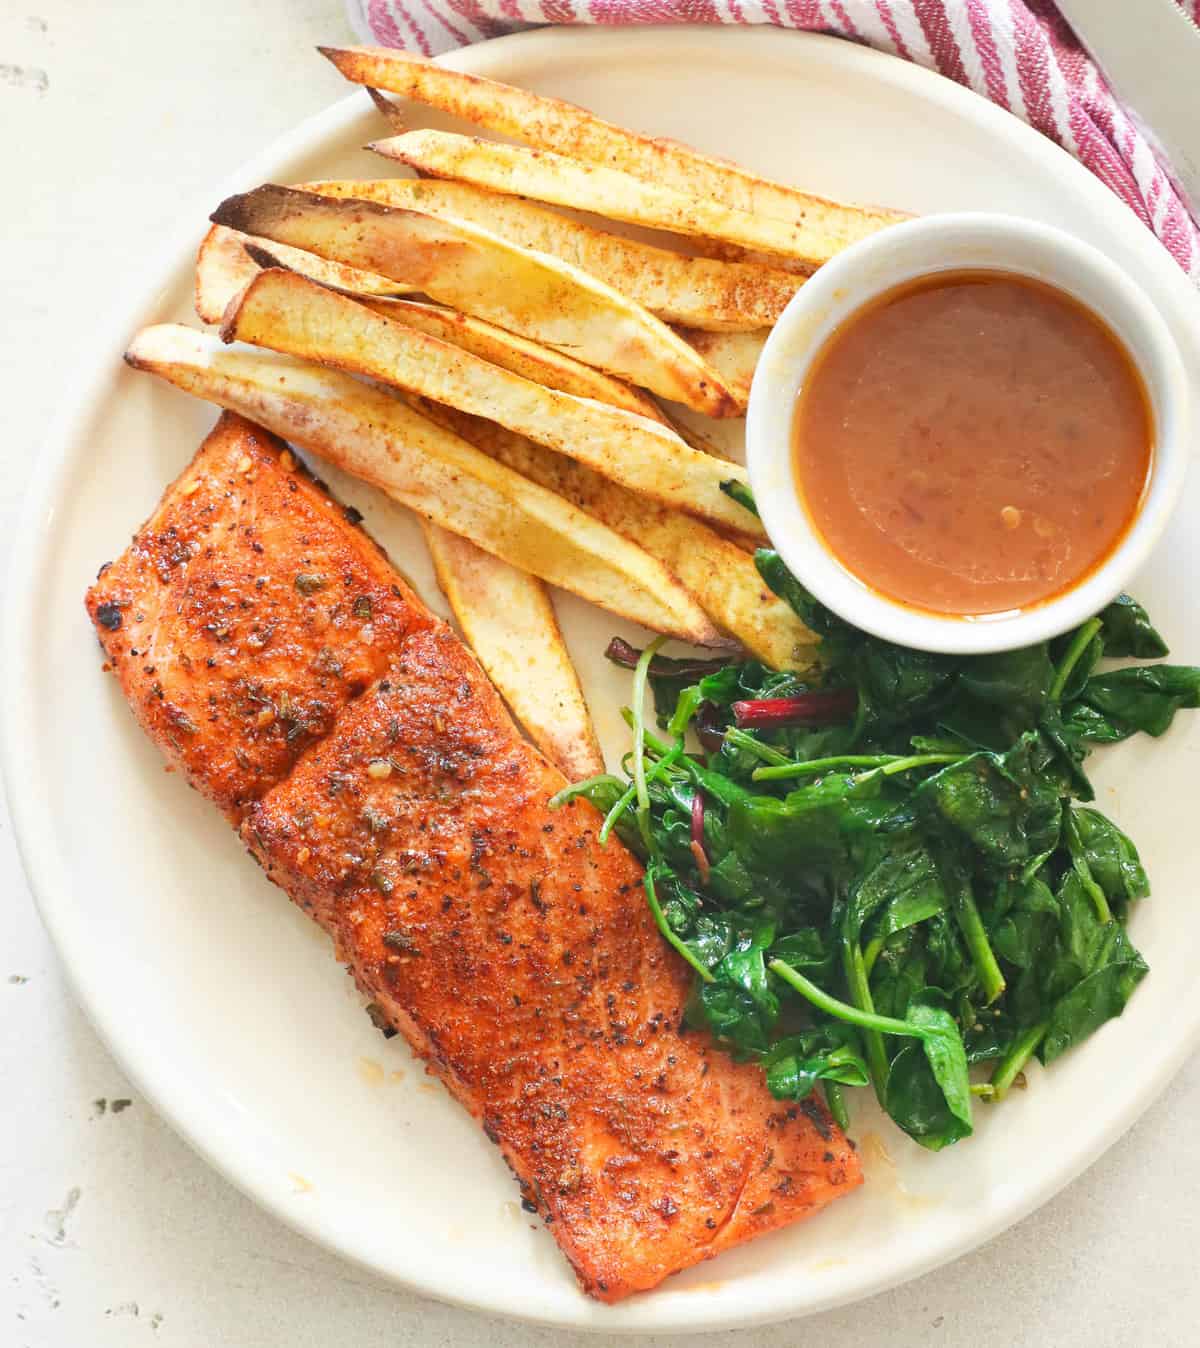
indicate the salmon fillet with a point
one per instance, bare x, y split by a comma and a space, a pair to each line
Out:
513, 951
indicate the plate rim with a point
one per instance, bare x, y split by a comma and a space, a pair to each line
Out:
33, 825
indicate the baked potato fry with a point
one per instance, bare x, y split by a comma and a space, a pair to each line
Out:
223, 267
718, 573
533, 361
479, 273
822, 227
695, 291
735, 354
290, 313
226, 262
508, 621
377, 437
541, 364
553, 178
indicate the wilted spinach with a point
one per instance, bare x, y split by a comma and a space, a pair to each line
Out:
877, 869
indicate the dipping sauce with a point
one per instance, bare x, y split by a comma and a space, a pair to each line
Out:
972, 443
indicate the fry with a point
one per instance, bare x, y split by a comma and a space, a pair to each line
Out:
735, 354
696, 291
822, 227
541, 364
290, 313
507, 618
375, 436
719, 573
529, 359
478, 272
223, 267
226, 262
545, 176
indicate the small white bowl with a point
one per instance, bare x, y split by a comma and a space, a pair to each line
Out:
923, 247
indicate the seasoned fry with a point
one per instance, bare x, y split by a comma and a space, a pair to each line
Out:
554, 178
375, 436
542, 364
735, 354
290, 313
821, 227
507, 618
478, 272
719, 573
696, 291
226, 261
223, 267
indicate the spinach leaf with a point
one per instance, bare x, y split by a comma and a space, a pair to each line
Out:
734, 1018
1015, 681
928, 1087
746, 680
819, 824
909, 1101
904, 888
1145, 697
701, 936
897, 685
1111, 858
901, 971
1068, 750
1002, 805
1030, 910
905, 874
1116, 969
808, 950
744, 969
1129, 631
1082, 724
1082, 932
1097, 998
828, 1053
944, 1050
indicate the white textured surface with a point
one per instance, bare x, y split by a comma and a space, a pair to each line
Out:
145, 107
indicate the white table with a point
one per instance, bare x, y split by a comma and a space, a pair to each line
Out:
115, 119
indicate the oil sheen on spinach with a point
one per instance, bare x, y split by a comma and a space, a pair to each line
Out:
886, 873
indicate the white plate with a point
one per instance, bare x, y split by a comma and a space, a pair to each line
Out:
221, 999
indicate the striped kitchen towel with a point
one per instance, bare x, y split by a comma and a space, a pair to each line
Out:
1018, 53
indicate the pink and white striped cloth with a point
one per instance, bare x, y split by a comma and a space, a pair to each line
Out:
1018, 53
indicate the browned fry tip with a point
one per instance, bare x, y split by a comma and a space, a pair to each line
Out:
228, 328
260, 255
249, 211
234, 211
391, 113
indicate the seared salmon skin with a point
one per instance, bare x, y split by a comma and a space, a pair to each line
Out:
513, 951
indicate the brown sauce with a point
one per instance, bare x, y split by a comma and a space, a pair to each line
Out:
972, 443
